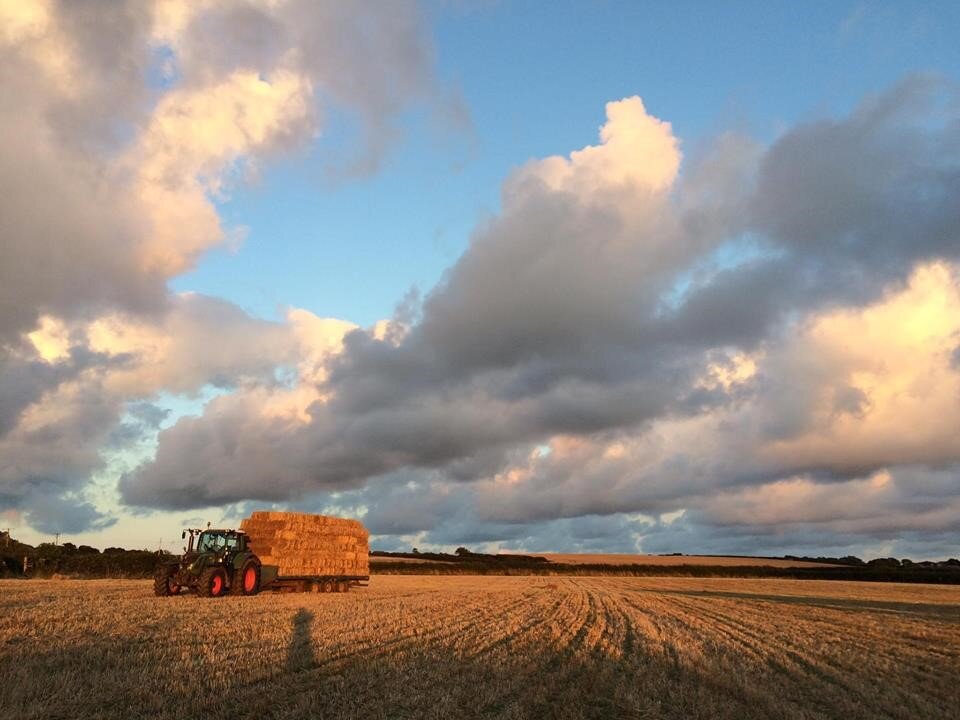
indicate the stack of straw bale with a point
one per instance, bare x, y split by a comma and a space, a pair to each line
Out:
303, 544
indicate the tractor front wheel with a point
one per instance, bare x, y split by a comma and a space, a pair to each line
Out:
246, 580
163, 583
213, 583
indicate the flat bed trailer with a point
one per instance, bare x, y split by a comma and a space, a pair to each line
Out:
270, 581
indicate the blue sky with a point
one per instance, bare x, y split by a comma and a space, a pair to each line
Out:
534, 81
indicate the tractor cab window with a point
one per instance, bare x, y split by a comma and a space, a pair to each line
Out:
211, 542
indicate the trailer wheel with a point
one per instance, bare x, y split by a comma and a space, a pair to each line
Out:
327, 586
343, 586
213, 583
246, 580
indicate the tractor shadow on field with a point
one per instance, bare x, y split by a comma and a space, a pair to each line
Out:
301, 655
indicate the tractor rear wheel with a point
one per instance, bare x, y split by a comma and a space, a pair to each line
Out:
213, 583
246, 580
163, 584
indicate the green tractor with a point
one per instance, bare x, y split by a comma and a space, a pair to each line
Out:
215, 562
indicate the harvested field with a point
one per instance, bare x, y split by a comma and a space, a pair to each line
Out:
500, 647
703, 560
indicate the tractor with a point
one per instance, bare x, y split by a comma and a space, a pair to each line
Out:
215, 562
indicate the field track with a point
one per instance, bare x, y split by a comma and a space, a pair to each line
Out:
504, 647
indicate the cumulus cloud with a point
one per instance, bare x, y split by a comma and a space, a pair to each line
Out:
75, 391
53, 514
123, 125
639, 348
788, 418
108, 182
623, 338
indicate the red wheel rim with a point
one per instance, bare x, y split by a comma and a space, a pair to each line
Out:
217, 585
174, 588
249, 579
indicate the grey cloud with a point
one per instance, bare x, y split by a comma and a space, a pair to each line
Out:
409, 502
214, 465
147, 414
614, 533
216, 342
227, 37
914, 498
419, 505
855, 190
850, 400
44, 467
68, 232
25, 378
57, 514
738, 306
368, 60
694, 532
91, 403
111, 41
73, 229
841, 209
555, 321
142, 421
22, 382
693, 535
423, 509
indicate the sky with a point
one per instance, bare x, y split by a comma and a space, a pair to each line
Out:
577, 276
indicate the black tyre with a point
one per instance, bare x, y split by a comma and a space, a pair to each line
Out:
213, 583
163, 584
246, 580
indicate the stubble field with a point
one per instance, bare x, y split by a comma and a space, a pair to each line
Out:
504, 647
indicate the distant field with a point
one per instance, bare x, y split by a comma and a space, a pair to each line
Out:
485, 647
375, 560
626, 559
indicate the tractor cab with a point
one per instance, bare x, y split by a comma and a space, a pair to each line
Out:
218, 542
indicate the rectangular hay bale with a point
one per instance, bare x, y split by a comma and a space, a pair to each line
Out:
305, 544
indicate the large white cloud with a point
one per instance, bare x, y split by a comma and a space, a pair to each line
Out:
596, 351
121, 126
850, 395
108, 179
759, 345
